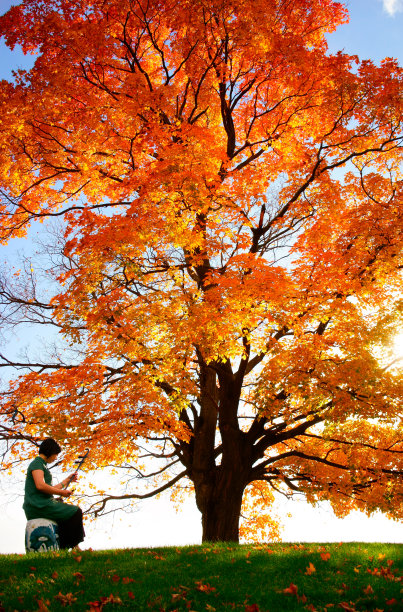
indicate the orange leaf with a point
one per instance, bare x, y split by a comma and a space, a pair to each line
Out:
311, 569
66, 600
325, 556
206, 588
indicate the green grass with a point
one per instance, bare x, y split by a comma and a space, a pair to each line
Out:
219, 577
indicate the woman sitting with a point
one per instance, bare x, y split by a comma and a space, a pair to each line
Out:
40, 503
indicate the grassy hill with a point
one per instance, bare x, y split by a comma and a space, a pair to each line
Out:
215, 577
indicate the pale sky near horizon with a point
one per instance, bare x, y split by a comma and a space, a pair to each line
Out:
375, 31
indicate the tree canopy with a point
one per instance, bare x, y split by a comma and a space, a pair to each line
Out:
230, 253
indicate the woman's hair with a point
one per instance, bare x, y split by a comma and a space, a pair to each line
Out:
49, 447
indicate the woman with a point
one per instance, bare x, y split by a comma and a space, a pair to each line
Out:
40, 503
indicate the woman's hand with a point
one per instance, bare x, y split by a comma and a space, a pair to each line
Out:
65, 492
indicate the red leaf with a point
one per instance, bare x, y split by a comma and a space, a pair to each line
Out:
291, 590
42, 607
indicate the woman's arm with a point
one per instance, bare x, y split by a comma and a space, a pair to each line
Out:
41, 485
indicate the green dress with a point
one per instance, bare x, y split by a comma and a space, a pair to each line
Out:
43, 505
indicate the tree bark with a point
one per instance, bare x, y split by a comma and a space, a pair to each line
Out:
220, 518
219, 488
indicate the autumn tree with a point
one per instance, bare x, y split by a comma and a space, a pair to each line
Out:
231, 197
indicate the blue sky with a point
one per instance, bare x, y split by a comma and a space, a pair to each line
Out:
374, 32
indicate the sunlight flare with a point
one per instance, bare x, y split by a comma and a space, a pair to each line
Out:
398, 346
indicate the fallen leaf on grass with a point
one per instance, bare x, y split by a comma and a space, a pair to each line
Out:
178, 596
66, 600
78, 576
97, 606
311, 569
111, 599
291, 590
156, 555
205, 588
42, 605
347, 607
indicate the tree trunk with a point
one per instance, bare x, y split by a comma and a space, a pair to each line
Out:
221, 511
221, 522
219, 488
